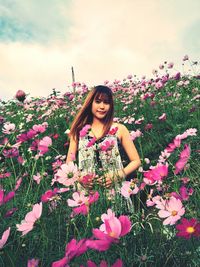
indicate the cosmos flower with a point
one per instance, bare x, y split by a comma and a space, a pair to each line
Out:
171, 209
188, 228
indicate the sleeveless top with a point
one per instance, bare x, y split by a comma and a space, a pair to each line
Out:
102, 155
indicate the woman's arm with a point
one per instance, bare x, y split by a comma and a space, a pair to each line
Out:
130, 150
72, 150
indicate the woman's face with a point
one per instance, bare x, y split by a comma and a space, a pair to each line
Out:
100, 106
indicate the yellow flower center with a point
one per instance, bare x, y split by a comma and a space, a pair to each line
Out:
174, 213
190, 229
112, 234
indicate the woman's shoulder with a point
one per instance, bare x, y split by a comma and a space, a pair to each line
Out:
120, 126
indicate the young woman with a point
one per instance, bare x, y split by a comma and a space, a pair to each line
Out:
96, 139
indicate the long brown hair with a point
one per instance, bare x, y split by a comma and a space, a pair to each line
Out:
85, 115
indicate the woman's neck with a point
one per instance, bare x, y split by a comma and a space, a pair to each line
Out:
97, 123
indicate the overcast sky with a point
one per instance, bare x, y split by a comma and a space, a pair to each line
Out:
102, 39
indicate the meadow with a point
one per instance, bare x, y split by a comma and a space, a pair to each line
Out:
151, 220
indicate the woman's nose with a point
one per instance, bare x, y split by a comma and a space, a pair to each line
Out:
102, 105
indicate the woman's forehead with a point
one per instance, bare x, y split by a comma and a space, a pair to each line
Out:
102, 97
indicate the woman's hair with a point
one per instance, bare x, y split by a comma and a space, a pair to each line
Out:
85, 115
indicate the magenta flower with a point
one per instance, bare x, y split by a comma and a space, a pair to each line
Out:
113, 130
4, 238
110, 231
188, 228
84, 131
11, 153
33, 263
171, 209
5, 198
47, 196
10, 212
184, 193
91, 142
44, 144
155, 175
73, 249
30, 218
184, 156
107, 145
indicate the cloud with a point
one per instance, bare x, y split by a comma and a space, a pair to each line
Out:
105, 39
31, 21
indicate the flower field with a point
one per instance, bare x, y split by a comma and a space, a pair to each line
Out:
153, 219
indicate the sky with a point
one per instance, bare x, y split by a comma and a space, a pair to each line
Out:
40, 40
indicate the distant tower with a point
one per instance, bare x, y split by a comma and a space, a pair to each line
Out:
73, 79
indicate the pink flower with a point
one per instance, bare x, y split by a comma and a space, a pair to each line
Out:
163, 117
39, 128
78, 199
135, 134
18, 183
37, 178
20, 95
159, 85
67, 174
33, 263
171, 209
30, 218
148, 126
44, 144
170, 65
129, 188
5, 175
8, 128
84, 207
84, 130
184, 156
188, 228
4, 238
73, 249
110, 231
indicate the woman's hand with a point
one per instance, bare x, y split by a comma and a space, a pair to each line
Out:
111, 177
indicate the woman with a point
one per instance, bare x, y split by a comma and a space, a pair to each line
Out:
96, 139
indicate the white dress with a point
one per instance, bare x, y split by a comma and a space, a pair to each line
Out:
103, 155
